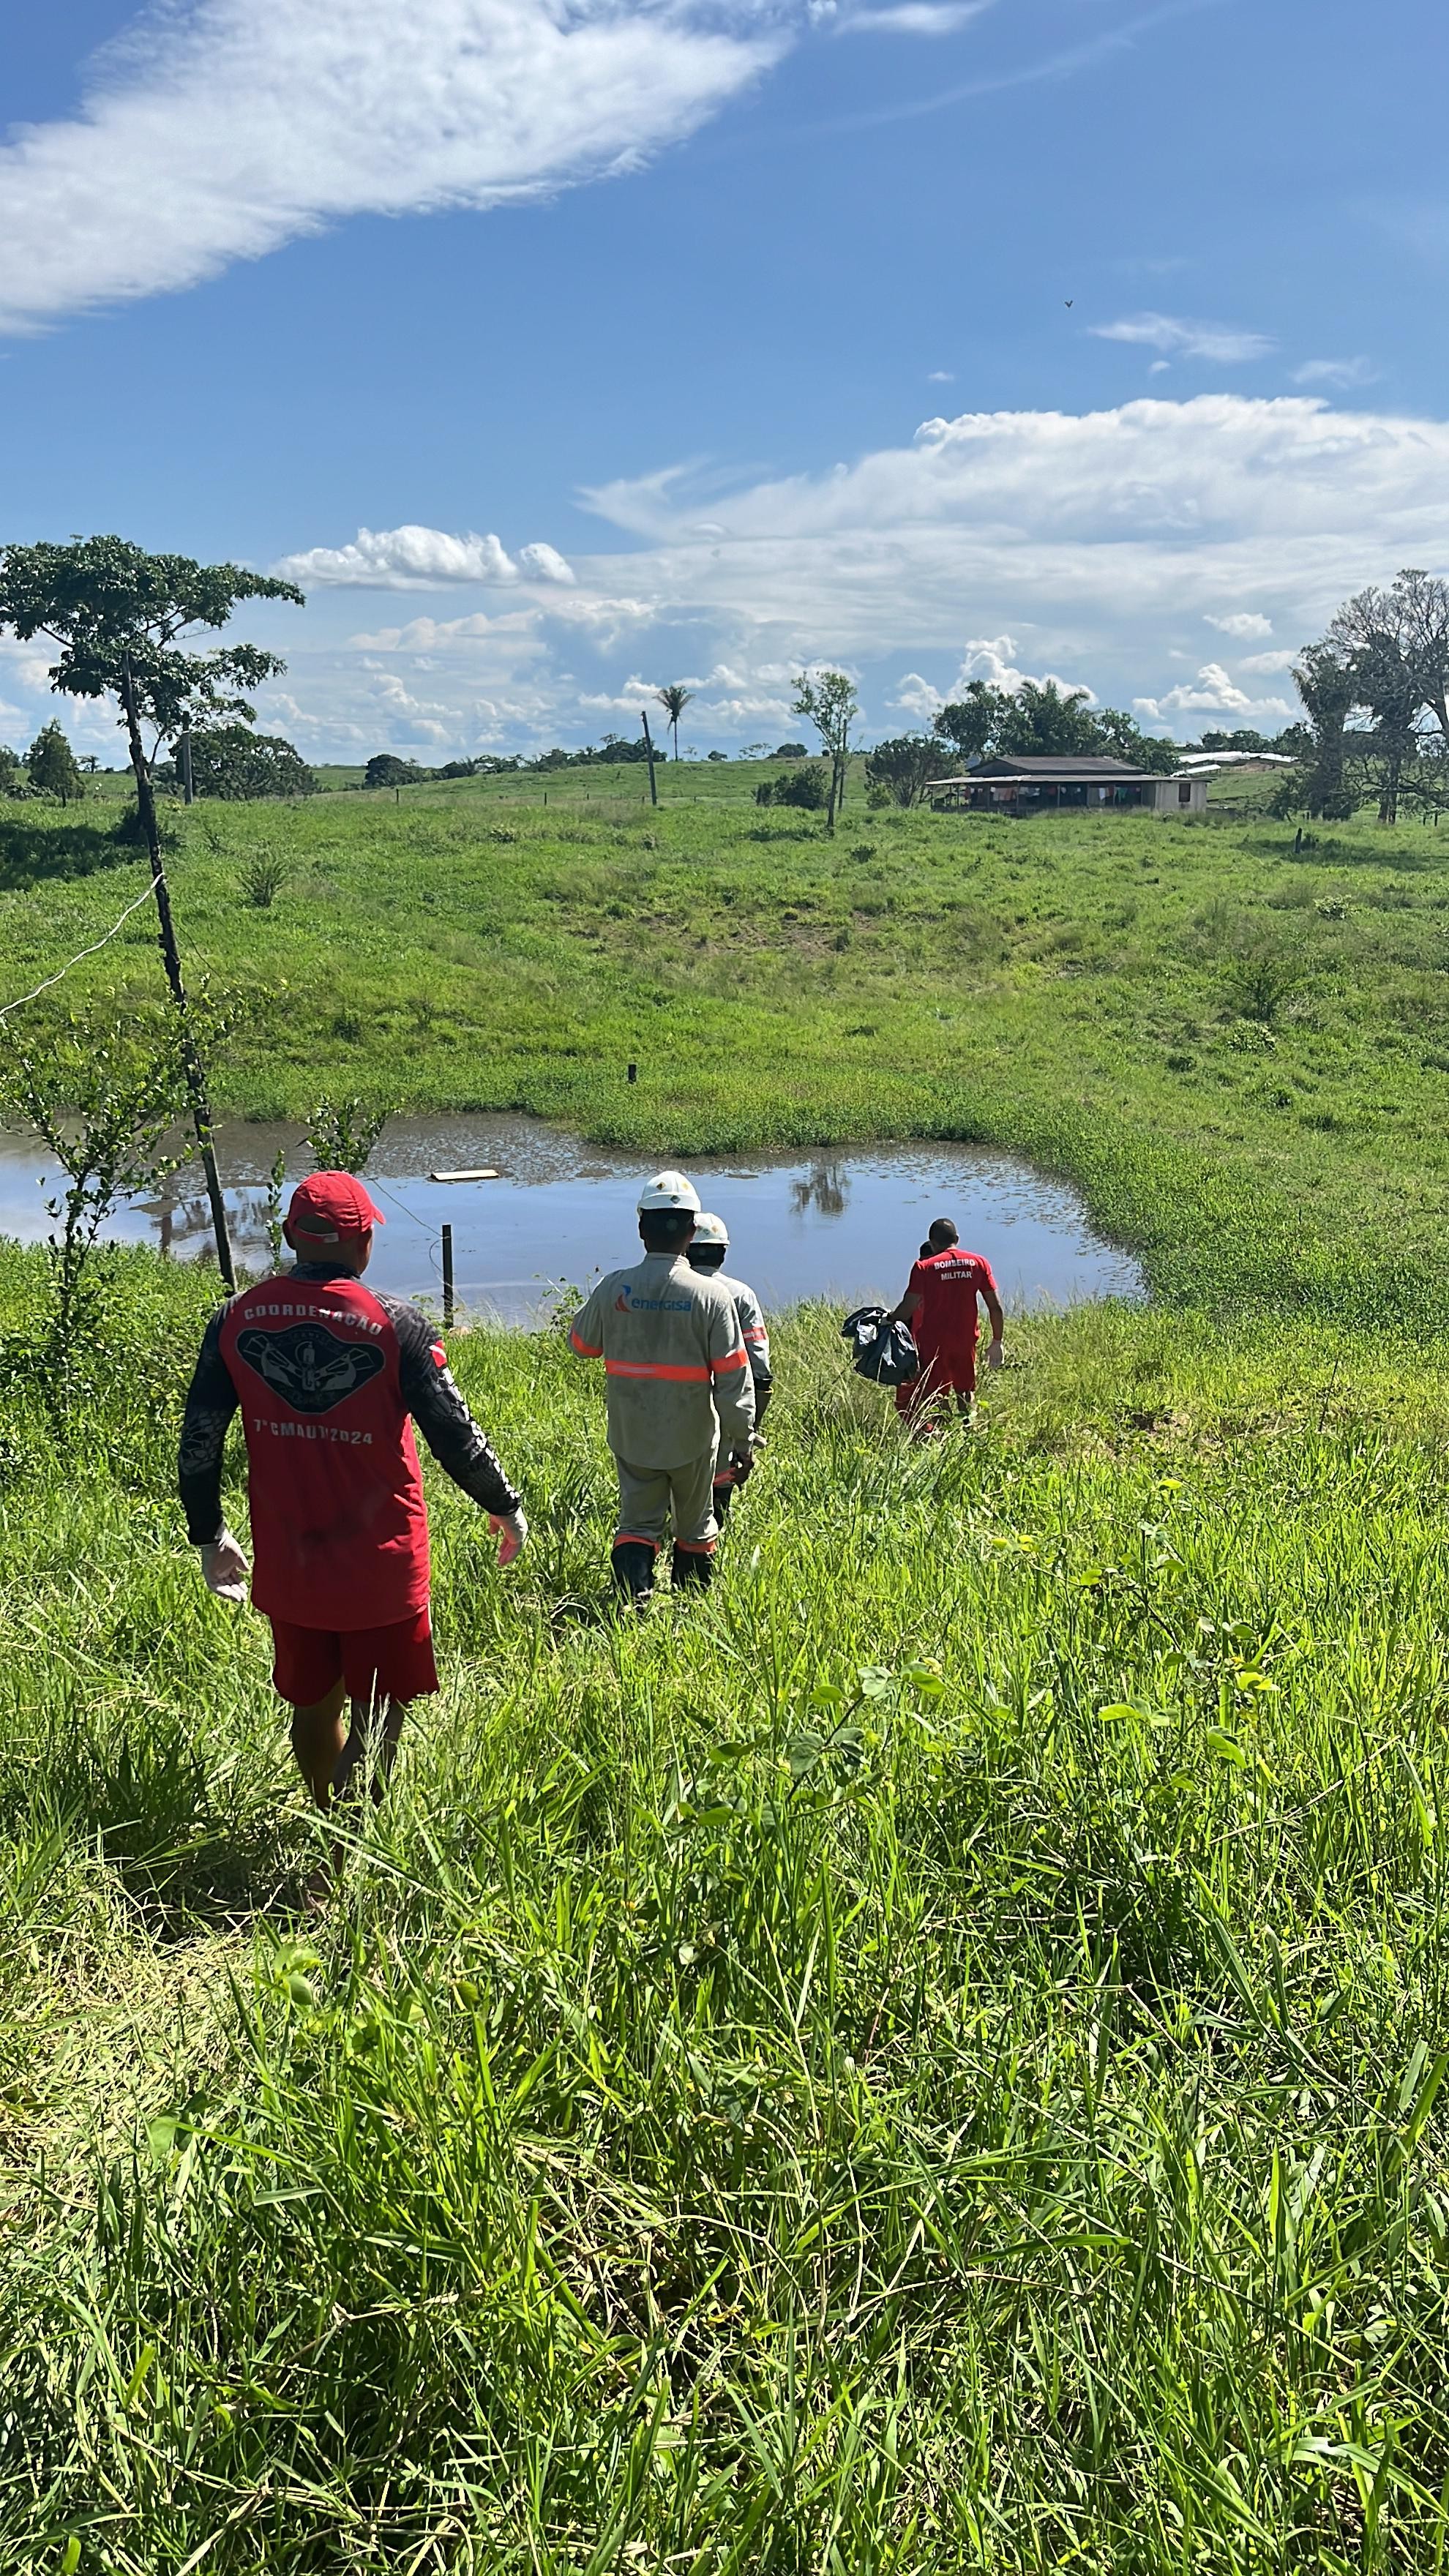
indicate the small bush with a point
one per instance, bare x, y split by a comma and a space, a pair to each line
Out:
808, 787
263, 878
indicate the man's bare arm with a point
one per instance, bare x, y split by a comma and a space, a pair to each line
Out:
998, 1326
909, 1307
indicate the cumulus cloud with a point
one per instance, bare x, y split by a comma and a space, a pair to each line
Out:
1214, 694
414, 558
916, 697
1087, 547
216, 130
1220, 342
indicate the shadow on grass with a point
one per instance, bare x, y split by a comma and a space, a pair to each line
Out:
34, 853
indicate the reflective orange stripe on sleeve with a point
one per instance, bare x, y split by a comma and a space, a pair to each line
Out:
586, 1350
731, 1360
656, 1368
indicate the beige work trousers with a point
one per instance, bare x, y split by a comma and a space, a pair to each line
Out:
648, 1496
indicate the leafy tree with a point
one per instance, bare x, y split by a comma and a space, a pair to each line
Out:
386, 770
12, 772
125, 624
829, 703
1328, 686
107, 604
970, 723
1120, 737
1388, 687
904, 764
1412, 616
674, 697
783, 751
231, 761
52, 766
1039, 722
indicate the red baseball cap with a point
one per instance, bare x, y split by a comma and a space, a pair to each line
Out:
330, 1205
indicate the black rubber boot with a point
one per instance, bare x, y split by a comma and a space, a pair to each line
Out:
723, 1497
632, 1566
690, 1565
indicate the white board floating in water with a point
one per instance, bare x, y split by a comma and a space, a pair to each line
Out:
463, 1176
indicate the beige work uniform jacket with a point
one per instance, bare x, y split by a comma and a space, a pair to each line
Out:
676, 1369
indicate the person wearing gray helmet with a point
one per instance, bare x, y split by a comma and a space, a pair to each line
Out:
677, 1386
707, 1256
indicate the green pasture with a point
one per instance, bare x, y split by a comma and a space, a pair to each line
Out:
1234, 1038
926, 2062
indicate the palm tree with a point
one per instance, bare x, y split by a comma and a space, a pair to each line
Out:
674, 699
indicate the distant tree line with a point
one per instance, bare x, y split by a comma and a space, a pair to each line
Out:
1375, 693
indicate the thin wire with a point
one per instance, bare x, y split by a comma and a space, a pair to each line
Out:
373, 1184
62, 971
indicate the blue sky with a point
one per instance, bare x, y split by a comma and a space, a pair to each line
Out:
710, 338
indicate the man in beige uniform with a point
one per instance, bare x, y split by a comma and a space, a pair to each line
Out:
678, 1390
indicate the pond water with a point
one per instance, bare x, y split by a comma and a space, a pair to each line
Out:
842, 1222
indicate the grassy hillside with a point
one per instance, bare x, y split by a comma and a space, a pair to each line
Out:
1237, 1046
929, 2060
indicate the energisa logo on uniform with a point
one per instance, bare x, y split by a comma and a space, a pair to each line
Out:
629, 1302
308, 1367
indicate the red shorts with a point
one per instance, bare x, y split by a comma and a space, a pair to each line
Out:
395, 1662
942, 1373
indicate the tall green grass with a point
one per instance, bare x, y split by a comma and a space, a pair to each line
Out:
929, 2058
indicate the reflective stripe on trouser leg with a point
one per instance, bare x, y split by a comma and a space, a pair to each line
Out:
649, 1496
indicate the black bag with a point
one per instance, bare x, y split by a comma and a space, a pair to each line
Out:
884, 1352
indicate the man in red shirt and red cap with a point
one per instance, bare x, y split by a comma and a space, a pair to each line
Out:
327, 1373
940, 1307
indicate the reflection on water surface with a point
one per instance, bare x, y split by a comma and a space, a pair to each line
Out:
843, 1224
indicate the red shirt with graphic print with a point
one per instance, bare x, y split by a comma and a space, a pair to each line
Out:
326, 1373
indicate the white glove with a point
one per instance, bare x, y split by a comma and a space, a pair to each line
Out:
512, 1530
993, 1355
224, 1568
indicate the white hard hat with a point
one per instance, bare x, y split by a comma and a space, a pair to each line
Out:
712, 1229
669, 1190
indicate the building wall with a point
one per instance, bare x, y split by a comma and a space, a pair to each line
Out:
1180, 796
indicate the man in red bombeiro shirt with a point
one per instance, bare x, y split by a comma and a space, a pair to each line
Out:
940, 1307
327, 1374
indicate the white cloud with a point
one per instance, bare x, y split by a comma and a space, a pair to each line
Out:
1220, 342
1336, 371
940, 376
414, 558
1215, 694
1090, 547
216, 130
916, 698
1214, 689
1282, 658
912, 18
